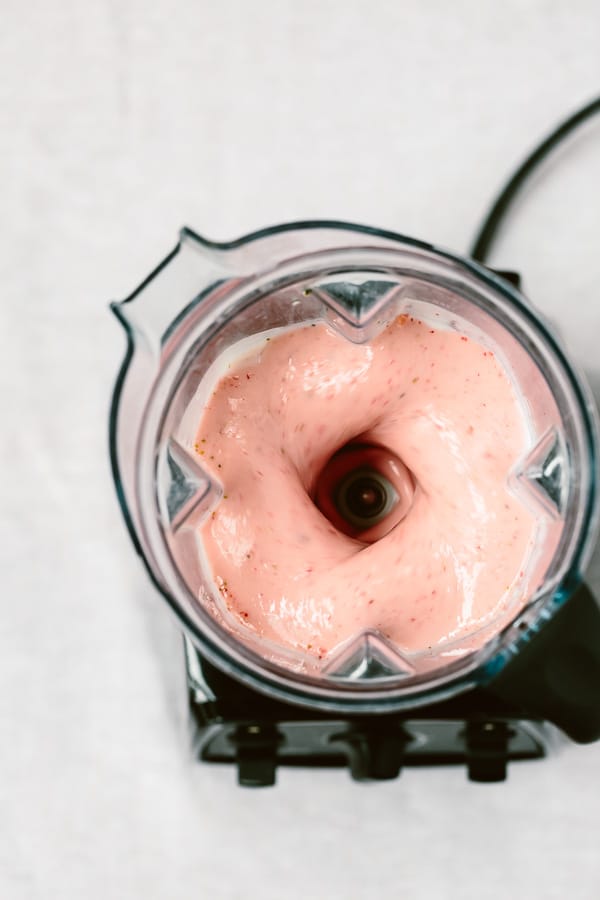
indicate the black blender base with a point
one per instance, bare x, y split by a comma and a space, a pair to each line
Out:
234, 724
485, 748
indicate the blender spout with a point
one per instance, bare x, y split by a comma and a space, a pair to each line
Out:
186, 275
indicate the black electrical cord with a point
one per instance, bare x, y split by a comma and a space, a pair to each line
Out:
489, 229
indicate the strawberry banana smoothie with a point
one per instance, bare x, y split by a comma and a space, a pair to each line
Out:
365, 487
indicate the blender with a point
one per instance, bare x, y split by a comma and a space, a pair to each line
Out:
504, 691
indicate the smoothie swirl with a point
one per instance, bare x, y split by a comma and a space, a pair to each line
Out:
435, 407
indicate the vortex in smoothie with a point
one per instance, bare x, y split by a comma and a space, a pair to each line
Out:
365, 487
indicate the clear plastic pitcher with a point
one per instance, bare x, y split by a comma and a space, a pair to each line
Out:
206, 297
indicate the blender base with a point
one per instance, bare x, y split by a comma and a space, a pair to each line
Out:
234, 724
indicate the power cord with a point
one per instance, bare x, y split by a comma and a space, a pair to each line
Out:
489, 229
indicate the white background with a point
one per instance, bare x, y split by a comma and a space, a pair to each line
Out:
121, 121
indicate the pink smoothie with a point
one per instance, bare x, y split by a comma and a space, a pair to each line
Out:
440, 412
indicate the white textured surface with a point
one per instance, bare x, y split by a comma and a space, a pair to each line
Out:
122, 120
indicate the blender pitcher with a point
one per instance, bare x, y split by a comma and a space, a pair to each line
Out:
484, 697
